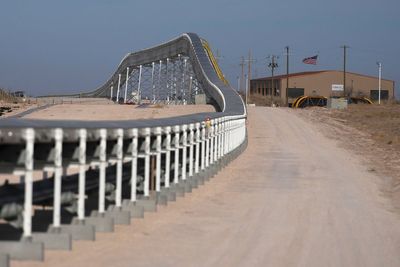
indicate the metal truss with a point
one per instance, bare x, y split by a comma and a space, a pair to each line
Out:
168, 81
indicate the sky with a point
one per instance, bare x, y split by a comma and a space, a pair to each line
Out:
52, 46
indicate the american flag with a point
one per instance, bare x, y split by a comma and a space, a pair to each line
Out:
311, 60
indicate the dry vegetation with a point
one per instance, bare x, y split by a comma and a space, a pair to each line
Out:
371, 131
6, 97
8, 103
265, 100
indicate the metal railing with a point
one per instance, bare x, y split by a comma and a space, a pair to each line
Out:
118, 165
195, 147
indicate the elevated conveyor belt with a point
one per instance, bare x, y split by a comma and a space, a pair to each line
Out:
116, 154
205, 67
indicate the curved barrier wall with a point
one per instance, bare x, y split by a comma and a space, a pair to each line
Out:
122, 168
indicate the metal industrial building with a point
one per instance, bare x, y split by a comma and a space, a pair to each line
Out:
325, 83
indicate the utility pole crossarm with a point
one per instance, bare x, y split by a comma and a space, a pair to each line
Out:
272, 65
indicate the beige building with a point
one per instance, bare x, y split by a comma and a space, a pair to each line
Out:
320, 83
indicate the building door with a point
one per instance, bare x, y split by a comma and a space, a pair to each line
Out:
295, 92
374, 95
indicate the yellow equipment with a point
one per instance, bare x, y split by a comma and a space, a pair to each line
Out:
214, 62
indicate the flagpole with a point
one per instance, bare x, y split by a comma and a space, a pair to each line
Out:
379, 85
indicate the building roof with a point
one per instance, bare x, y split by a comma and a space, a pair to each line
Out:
305, 73
290, 75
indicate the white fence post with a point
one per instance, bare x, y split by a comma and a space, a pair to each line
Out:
212, 133
226, 138
134, 154
203, 148
157, 132
118, 190
167, 155
176, 161
221, 137
191, 148
102, 170
216, 139
184, 150
29, 135
146, 133
58, 137
198, 140
208, 144
82, 174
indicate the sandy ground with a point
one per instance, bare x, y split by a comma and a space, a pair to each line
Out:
111, 111
64, 108
293, 198
370, 131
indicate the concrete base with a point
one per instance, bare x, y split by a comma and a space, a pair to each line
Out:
220, 166
54, 239
193, 182
213, 171
187, 186
162, 199
135, 210
149, 205
169, 193
206, 174
178, 189
4, 260
200, 180
119, 215
100, 222
79, 230
23, 250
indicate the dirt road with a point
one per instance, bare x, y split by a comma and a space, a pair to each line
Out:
292, 199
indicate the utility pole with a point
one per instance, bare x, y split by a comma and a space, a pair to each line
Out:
344, 68
242, 76
246, 88
272, 65
379, 85
287, 75
249, 61
248, 77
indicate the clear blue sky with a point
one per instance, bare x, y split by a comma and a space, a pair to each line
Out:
50, 46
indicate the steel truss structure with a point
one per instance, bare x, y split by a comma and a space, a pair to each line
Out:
169, 81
